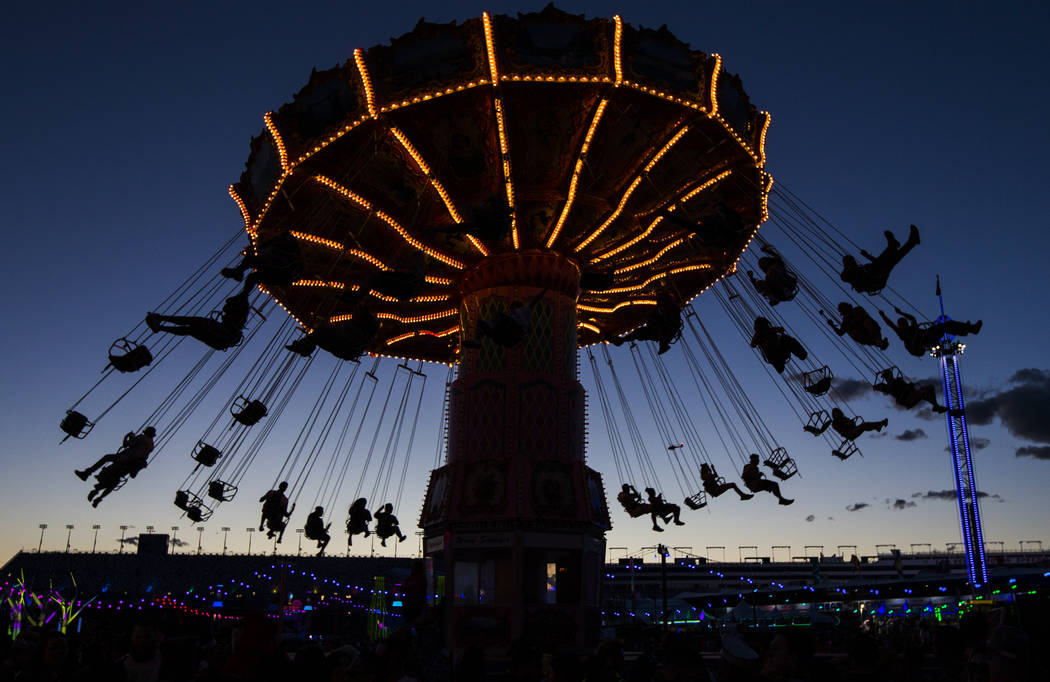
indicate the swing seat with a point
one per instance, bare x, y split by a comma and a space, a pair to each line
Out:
247, 412
781, 463
818, 381
846, 450
184, 499
897, 375
109, 478
194, 507
638, 510
697, 501
198, 513
221, 490
128, 356
75, 425
818, 422
205, 454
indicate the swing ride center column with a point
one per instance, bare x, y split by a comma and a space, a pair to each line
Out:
515, 518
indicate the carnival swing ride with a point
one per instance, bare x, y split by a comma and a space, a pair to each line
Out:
493, 196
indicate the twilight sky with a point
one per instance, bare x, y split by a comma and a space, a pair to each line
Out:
124, 127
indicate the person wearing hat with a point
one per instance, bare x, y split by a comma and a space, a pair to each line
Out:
129, 460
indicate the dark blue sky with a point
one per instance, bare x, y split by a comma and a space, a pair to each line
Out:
123, 128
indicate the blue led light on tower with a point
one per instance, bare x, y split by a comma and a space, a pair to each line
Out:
948, 351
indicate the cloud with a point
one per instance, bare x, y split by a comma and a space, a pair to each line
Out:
902, 504
926, 414
857, 506
831, 518
1021, 407
810, 518
911, 434
951, 495
179, 542
133, 540
1036, 451
848, 389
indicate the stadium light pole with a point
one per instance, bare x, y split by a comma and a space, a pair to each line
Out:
174, 537
250, 531
122, 530
300, 532
225, 533
94, 543
40, 545
149, 530
69, 535
200, 538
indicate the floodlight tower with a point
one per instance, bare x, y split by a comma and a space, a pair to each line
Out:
948, 351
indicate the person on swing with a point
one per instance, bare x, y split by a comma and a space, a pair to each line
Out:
779, 285
358, 518
710, 478
387, 525
871, 277
275, 512
849, 429
631, 500
757, 482
220, 334
275, 262
129, 460
661, 509
859, 325
315, 529
662, 325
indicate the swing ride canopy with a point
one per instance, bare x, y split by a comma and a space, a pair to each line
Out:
613, 146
